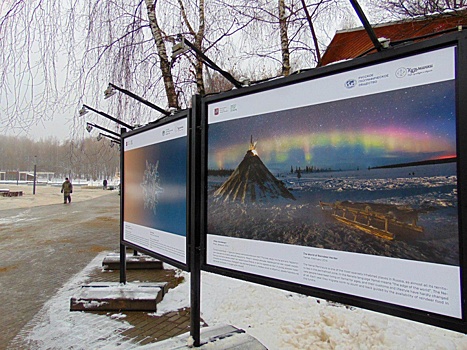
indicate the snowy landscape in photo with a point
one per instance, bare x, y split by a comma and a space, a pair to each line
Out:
430, 190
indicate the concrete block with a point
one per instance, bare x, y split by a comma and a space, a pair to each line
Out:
133, 262
102, 296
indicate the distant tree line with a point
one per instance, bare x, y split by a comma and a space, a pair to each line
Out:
87, 158
297, 170
307, 169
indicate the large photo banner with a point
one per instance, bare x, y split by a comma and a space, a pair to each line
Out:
346, 183
155, 190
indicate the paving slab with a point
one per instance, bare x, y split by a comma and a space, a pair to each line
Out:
224, 337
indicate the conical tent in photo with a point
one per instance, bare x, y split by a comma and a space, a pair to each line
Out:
252, 182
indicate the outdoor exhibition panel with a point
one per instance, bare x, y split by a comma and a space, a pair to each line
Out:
155, 189
346, 182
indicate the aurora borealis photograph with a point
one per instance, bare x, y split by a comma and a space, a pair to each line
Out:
383, 150
407, 125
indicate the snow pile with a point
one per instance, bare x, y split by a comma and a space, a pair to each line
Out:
278, 319
285, 320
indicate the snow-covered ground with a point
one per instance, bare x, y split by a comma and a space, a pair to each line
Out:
279, 319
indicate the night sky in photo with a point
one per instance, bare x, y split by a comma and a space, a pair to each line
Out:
407, 125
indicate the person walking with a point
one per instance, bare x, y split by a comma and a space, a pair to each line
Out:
67, 190
105, 184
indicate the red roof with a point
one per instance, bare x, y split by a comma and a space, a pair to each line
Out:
348, 44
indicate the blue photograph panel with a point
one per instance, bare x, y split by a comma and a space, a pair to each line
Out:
155, 180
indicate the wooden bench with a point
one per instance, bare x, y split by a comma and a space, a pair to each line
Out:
11, 194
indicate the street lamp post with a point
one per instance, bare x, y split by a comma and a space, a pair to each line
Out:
34, 183
110, 91
101, 135
85, 109
89, 127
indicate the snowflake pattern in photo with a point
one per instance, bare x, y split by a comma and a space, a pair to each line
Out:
151, 186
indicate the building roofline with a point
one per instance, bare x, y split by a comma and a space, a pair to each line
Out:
407, 20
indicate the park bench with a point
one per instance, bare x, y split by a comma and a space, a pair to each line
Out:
8, 193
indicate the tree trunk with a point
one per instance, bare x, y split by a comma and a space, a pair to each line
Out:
313, 33
162, 51
284, 39
199, 43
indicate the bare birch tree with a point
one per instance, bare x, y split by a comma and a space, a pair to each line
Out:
55, 55
164, 62
289, 33
284, 38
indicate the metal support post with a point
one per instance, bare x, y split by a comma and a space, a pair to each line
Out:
195, 227
367, 25
122, 194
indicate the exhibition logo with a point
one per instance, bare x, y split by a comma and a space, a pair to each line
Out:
351, 83
167, 132
220, 110
401, 72
365, 80
411, 71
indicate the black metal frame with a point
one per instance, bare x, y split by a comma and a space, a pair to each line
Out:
166, 120
457, 39
196, 228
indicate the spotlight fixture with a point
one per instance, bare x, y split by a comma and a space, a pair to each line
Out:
83, 111
179, 49
99, 137
110, 91
186, 45
88, 127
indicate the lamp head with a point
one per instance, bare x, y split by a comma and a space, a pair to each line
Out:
179, 49
99, 137
83, 111
88, 127
245, 81
110, 91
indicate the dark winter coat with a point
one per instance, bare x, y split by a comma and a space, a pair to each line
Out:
67, 188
